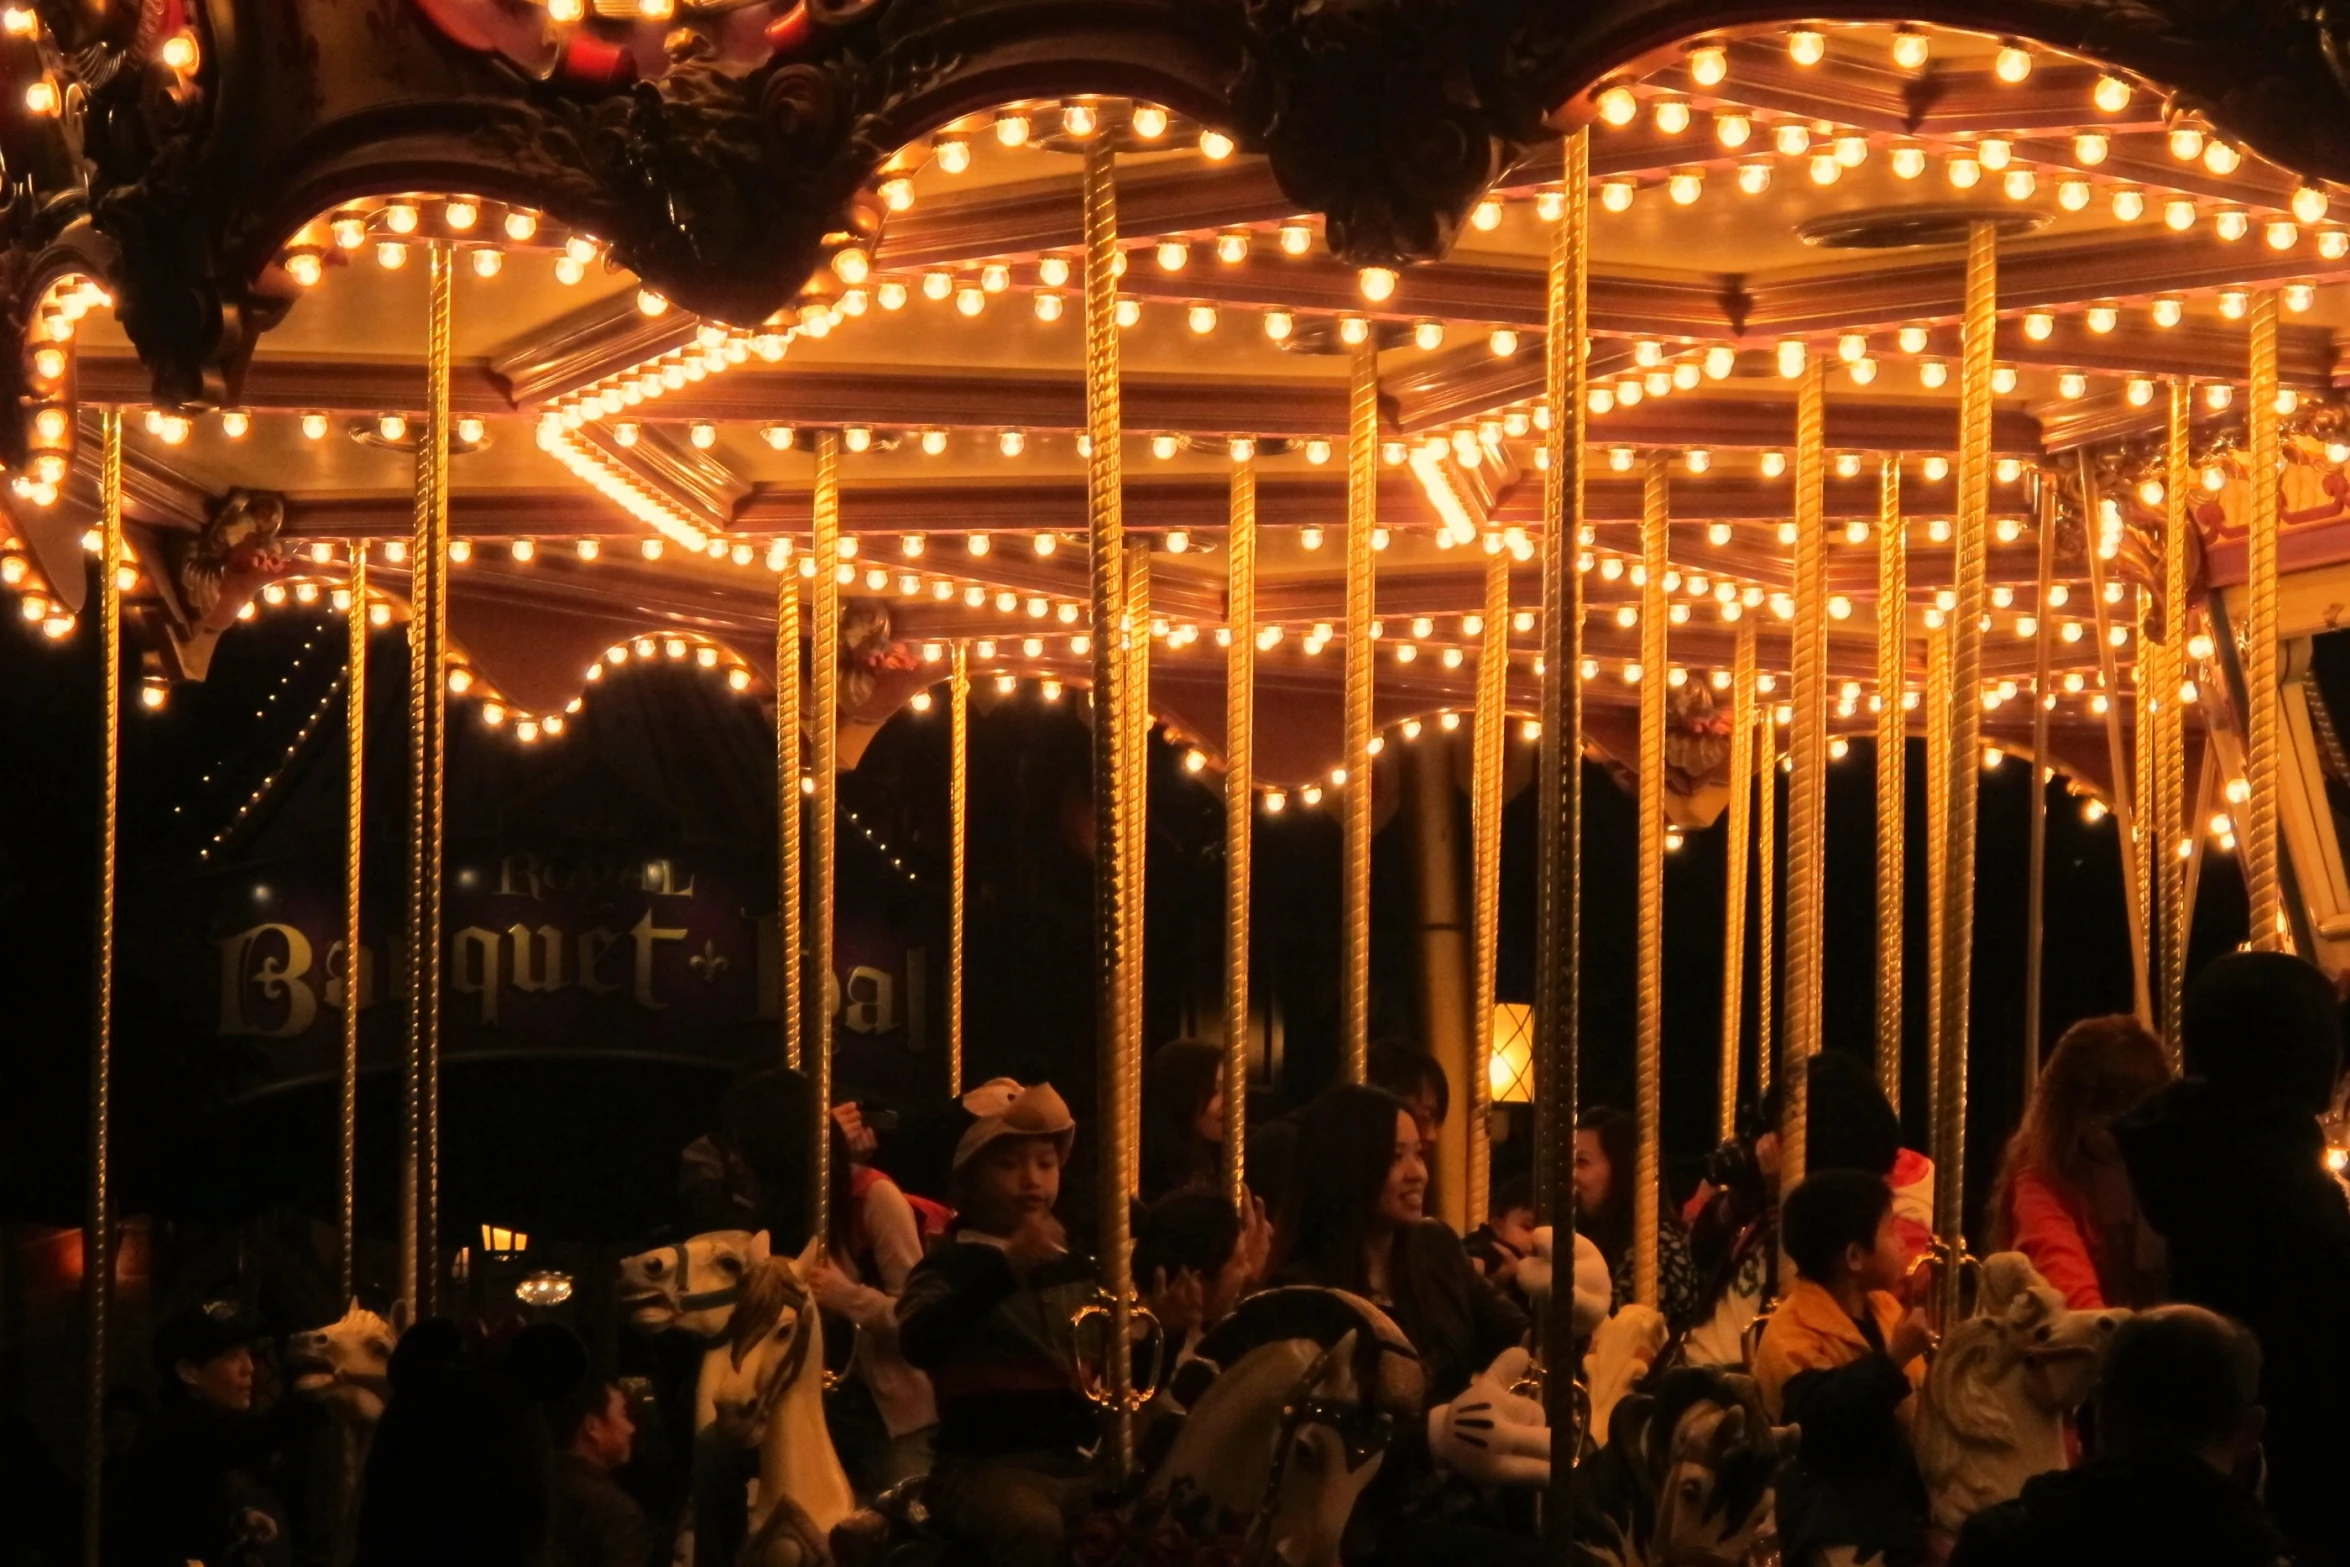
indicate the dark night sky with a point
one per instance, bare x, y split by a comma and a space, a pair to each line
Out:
1029, 960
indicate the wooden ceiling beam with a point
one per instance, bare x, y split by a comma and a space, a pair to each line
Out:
583, 347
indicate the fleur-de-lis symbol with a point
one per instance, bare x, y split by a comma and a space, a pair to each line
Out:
707, 962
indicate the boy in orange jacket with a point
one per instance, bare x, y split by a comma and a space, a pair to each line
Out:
1840, 1358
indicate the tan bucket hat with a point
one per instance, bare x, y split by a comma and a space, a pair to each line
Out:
1013, 1111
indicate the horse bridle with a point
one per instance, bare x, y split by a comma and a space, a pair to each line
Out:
1364, 1431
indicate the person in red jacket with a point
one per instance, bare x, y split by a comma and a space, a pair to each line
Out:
2063, 1198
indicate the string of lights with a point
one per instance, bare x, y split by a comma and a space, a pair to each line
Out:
252, 802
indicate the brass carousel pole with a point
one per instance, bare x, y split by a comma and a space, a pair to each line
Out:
428, 743
2170, 769
98, 1218
1362, 518
354, 844
1766, 886
958, 852
2125, 801
1937, 708
1137, 733
1735, 854
791, 968
1112, 800
1488, 757
2262, 889
1648, 986
1240, 678
1807, 795
1892, 769
1963, 762
2037, 879
1559, 816
823, 862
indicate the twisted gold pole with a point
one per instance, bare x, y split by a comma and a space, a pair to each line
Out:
791, 967
823, 862
98, 1218
1488, 757
428, 745
1362, 518
354, 846
2037, 877
1735, 854
2262, 887
1807, 795
1963, 763
958, 853
1648, 985
1112, 625
2170, 772
1937, 704
1766, 887
1240, 679
2125, 801
2146, 709
1559, 814
1137, 731
1892, 768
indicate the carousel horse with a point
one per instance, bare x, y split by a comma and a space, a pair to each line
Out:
346, 1366
1689, 1475
692, 1288
1992, 1412
1621, 1351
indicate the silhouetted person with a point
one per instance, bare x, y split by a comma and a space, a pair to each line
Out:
196, 1482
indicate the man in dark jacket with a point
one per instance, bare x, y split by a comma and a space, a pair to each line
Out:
596, 1523
197, 1483
2177, 1427
2229, 1167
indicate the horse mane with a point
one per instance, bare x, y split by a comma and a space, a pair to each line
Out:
1962, 1401
767, 1289
1384, 1364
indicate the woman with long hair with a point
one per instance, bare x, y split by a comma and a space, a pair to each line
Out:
2063, 1197
1606, 1156
1182, 1117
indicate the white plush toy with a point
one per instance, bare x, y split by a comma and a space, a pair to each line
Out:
1593, 1291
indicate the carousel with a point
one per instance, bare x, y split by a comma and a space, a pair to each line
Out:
1281, 381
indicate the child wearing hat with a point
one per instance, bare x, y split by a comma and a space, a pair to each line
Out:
989, 1315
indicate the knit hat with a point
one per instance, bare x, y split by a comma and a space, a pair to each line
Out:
2265, 1025
1005, 1109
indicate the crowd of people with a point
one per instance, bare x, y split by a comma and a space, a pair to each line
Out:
2202, 1200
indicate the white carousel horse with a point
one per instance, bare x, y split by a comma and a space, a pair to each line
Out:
1622, 1349
1689, 1474
761, 1381
1291, 1403
346, 1366
1992, 1412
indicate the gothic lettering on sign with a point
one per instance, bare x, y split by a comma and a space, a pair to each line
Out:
473, 968
264, 984
538, 958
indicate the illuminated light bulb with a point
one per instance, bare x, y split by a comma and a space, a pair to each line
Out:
1684, 186
1201, 317
2287, 400
2038, 325
2299, 297
1617, 106
305, 267
19, 21
1964, 172
1733, 130
2178, 214
1049, 306
1791, 141
391, 427
1616, 195
1172, 255
2333, 244
391, 256
2234, 303
1791, 357
1377, 283
933, 442
1164, 447
1825, 170
1620, 458
488, 262
2129, 204
1774, 463
1215, 146
1910, 49
2091, 148
1864, 371
1129, 310
1709, 64
2186, 143
2003, 379
1485, 217
2008, 469
1354, 331
1012, 443
2013, 63
401, 217
2019, 184
568, 270
970, 299
2072, 385
2310, 204
1909, 162
778, 436
1851, 151
1672, 115
1279, 324
1232, 246
1599, 399
1933, 373
48, 363
1994, 153
1805, 46
705, 435
2281, 235
2221, 158
1080, 119
1317, 453
2111, 94
1720, 360
1754, 178
2074, 195
2231, 223
1053, 271
1848, 465
1502, 342
1428, 333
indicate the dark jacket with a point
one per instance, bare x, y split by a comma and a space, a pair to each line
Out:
1456, 1319
1001, 1351
1853, 1481
193, 1484
2148, 1512
2236, 1183
596, 1523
